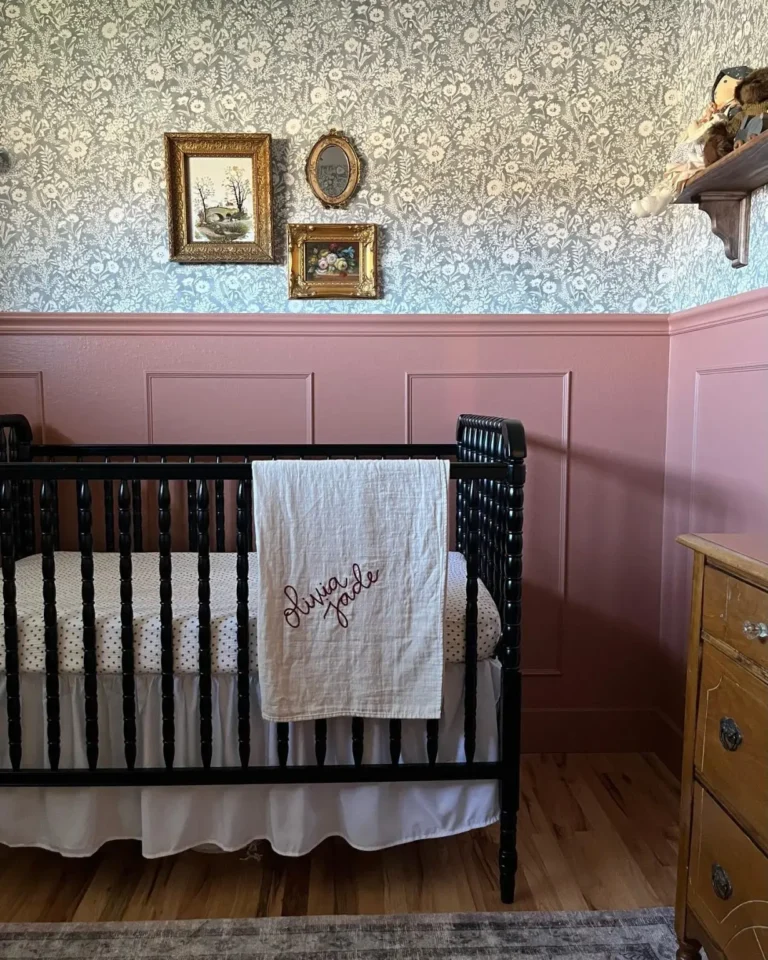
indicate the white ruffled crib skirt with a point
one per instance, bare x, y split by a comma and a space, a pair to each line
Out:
294, 819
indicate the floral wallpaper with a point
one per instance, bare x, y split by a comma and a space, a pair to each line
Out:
503, 141
721, 34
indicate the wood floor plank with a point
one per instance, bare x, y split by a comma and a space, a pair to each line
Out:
234, 885
625, 882
296, 891
112, 883
272, 889
595, 832
322, 896
559, 886
631, 814
142, 902
345, 885
29, 901
643, 814
402, 874
444, 886
555, 797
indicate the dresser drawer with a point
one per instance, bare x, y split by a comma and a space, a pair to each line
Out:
737, 613
727, 880
732, 737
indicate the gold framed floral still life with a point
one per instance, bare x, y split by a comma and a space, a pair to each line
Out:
332, 261
219, 197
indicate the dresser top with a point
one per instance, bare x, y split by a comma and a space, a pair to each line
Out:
743, 552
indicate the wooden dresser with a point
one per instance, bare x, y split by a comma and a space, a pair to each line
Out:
722, 889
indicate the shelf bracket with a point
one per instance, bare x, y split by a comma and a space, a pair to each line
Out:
729, 213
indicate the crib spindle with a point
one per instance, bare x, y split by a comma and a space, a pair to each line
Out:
52, 706
460, 539
433, 727
13, 456
138, 538
243, 639
321, 741
85, 536
166, 619
126, 622
109, 514
395, 740
54, 507
470, 628
494, 525
26, 493
282, 743
191, 513
249, 495
220, 529
358, 735
11, 635
204, 623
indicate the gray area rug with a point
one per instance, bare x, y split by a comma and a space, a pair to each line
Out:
637, 935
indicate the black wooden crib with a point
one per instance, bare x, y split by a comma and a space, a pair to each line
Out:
98, 497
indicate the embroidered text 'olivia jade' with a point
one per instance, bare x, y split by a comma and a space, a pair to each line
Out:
327, 595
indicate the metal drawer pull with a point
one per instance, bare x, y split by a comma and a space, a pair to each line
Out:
730, 735
755, 631
721, 882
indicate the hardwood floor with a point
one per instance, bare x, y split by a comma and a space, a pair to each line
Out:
596, 832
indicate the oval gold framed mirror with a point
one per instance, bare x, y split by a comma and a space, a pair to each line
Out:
333, 169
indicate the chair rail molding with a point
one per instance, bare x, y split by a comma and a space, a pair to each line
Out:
744, 306
332, 325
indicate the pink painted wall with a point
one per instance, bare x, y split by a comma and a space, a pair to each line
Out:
716, 460
591, 391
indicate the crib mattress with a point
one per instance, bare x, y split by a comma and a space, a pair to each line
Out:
146, 613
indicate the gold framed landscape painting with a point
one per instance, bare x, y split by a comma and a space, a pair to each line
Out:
332, 260
219, 197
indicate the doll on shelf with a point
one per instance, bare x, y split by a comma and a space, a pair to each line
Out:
688, 156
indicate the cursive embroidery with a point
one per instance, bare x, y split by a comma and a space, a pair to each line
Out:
327, 595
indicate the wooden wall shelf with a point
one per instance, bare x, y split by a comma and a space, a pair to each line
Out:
724, 192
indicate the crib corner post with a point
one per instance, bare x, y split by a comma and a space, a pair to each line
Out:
10, 624
509, 785
511, 685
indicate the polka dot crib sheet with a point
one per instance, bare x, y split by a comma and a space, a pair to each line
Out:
146, 613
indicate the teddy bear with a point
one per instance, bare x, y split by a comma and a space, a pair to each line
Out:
688, 157
749, 120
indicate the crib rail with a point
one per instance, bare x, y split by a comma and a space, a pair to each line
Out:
241, 450
489, 471
231, 776
187, 471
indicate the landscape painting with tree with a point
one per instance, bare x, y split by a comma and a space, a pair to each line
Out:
220, 202
220, 197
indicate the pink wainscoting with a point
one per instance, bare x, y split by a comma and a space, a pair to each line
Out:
591, 391
716, 459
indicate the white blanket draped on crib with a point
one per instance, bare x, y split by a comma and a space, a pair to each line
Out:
294, 819
352, 559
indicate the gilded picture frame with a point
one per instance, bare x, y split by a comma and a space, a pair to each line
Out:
333, 261
334, 144
219, 188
